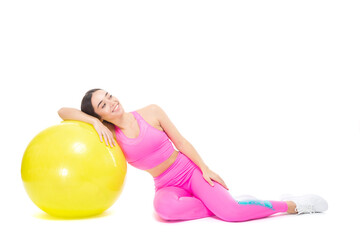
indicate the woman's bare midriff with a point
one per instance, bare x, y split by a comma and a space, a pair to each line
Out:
159, 169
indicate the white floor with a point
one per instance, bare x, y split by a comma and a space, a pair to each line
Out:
134, 223
132, 217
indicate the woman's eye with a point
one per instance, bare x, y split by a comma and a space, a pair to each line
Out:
105, 103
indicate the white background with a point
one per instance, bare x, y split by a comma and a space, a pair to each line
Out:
266, 91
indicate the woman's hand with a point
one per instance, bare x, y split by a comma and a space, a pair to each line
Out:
210, 175
104, 132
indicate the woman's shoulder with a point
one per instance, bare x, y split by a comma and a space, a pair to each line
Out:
149, 109
150, 114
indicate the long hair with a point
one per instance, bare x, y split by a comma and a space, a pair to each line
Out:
86, 105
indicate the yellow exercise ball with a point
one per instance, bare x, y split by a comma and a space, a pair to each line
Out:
68, 172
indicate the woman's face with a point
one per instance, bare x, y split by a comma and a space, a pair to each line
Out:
106, 106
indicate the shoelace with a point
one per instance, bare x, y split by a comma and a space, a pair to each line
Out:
307, 208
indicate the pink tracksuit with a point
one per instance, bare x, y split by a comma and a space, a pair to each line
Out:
181, 191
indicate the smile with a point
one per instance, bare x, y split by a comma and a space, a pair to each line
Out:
116, 108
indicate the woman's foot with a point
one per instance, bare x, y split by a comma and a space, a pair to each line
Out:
305, 204
291, 207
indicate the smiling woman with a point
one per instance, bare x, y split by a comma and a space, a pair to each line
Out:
87, 106
185, 187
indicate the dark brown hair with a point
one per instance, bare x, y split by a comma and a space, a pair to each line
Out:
87, 107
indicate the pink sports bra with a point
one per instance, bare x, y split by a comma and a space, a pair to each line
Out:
149, 149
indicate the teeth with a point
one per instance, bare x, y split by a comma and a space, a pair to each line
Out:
116, 108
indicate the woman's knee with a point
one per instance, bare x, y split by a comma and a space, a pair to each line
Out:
167, 214
166, 202
166, 209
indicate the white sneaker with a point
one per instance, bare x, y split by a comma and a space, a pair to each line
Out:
308, 203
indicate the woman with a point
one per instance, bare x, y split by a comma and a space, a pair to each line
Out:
185, 187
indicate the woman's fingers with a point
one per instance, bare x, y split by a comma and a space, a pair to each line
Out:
210, 176
105, 137
104, 133
111, 138
208, 179
219, 180
223, 183
108, 138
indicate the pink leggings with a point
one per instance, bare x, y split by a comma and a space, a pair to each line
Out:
183, 194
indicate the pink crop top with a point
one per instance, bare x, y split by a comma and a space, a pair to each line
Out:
149, 149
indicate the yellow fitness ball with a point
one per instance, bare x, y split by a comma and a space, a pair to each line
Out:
68, 172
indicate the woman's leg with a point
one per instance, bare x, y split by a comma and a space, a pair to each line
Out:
219, 201
174, 203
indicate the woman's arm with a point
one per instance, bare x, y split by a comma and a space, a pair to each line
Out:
102, 130
188, 149
75, 114
185, 146
179, 141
